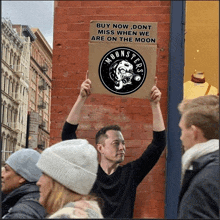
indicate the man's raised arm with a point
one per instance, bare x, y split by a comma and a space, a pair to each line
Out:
158, 122
70, 126
74, 115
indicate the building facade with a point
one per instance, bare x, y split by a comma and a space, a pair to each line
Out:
40, 92
15, 85
26, 67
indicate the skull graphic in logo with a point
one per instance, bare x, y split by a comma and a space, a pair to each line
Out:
121, 72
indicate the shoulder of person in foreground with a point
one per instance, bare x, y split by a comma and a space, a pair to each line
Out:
201, 199
26, 209
80, 209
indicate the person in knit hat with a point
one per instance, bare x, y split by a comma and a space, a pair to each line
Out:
18, 185
199, 124
69, 172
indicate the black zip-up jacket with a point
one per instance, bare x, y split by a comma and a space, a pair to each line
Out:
22, 203
118, 190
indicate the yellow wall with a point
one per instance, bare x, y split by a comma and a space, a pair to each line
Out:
202, 40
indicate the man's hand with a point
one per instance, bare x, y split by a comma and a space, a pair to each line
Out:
155, 94
158, 123
85, 89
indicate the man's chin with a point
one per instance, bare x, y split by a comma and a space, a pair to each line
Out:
121, 160
3, 191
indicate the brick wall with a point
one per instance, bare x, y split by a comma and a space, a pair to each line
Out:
70, 63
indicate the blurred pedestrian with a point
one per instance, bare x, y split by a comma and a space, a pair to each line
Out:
199, 196
69, 172
21, 193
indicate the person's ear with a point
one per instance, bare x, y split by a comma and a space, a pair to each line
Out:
196, 131
100, 148
22, 180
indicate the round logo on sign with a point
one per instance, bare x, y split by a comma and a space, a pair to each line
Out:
122, 70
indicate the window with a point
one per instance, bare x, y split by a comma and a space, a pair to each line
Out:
9, 116
6, 54
19, 115
14, 145
33, 78
7, 153
9, 86
6, 148
15, 116
3, 147
12, 88
3, 80
6, 108
18, 62
9, 83
17, 88
14, 61
2, 51
2, 115
11, 58
33, 93
201, 59
5, 83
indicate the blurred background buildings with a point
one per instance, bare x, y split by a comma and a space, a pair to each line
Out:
26, 75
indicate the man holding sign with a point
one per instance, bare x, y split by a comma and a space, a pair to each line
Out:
116, 184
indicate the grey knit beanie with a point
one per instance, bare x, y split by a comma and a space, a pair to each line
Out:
24, 162
73, 163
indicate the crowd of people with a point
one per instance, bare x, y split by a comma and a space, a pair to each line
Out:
67, 181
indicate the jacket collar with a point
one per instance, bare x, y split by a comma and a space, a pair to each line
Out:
16, 194
197, 166
197, 151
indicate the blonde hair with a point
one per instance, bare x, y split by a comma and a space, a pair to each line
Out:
208, 100
60, 196
202, 112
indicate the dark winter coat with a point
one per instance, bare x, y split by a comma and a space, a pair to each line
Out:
199, 196
22, 203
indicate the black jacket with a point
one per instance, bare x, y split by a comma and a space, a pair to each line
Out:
199, 196
22, 203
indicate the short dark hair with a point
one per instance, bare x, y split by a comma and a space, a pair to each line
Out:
102, 132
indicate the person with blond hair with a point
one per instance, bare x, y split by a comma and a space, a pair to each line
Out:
69, 171
199, 124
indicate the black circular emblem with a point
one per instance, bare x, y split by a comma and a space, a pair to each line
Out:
122, 70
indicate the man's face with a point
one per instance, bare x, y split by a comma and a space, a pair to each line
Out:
187, 135
114, 147
45, 186
10, 179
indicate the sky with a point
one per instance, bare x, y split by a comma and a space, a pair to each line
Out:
35, 14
